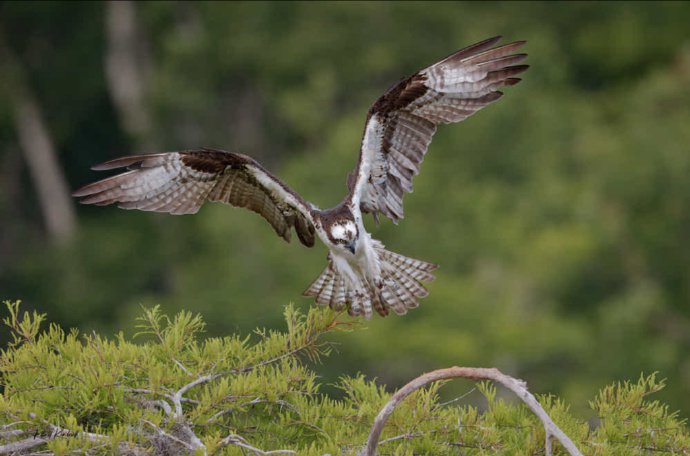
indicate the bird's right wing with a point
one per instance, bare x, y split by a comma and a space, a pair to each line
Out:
180, 183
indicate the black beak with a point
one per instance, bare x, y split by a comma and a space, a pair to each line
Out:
351, 246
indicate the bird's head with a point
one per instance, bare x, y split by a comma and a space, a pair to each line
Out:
344, 234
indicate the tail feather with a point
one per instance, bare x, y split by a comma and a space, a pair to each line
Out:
393, 301
378, 302
339, 298
406, 262
402, 299
358, 304
317, 285
413, 289
398, 288
419, 275
326, 294
411, 285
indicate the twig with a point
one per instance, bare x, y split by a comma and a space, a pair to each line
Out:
257, 400
466, 445
234, 439
473, 373
402, 436
160, 393
177, 397
243, 370
181, 366
459, 398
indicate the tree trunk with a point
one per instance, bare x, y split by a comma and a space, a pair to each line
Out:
39, 151
126, 69
36, 144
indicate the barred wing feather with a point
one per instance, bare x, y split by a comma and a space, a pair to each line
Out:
402, 122
180, 183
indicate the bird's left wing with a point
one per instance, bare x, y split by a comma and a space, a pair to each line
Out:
180, 183
402, 122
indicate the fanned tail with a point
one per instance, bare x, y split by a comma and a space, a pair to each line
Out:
401, 287
398, 288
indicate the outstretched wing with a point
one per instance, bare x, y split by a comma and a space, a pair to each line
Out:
401, 123
180, 183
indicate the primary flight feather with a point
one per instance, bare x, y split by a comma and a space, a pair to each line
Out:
361, 275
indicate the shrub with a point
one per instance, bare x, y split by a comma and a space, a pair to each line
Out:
175, 392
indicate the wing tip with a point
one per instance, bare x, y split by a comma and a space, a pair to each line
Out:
493, 40
95, 199
110, 164
473, 49
512, 81
127, 160
113, 164
83, 191
517, 68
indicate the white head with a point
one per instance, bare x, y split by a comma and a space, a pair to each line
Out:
344, 233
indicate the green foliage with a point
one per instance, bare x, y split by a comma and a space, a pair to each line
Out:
24, 329
179, 392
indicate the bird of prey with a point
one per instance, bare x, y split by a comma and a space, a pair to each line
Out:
361, 275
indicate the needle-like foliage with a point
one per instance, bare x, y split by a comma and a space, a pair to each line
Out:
175, 392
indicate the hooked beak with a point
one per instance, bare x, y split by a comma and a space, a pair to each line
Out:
351, 246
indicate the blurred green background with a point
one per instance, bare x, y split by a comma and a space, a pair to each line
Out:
559, 215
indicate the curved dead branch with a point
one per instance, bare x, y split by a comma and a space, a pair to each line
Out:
518, 387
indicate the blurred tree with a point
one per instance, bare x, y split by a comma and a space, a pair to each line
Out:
126, 67
37, 146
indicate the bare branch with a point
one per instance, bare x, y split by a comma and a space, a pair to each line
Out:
473, 373
169, 436
236, 440
402, 436
459, 398
22, 445
57, 431
160, 403
177, 417
9, 434
188, 433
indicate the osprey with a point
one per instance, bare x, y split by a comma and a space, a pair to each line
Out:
361, 275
